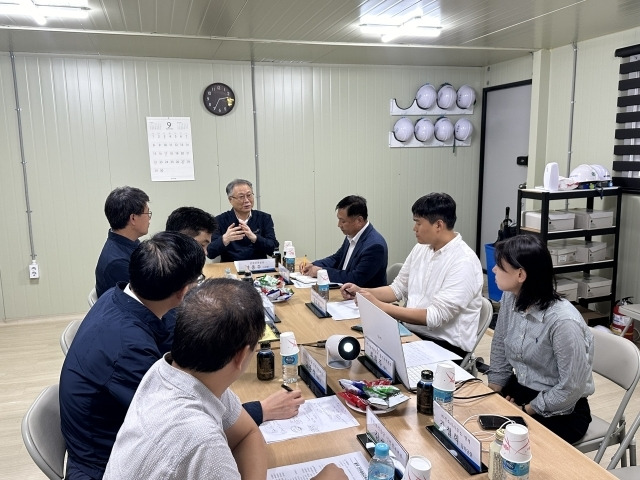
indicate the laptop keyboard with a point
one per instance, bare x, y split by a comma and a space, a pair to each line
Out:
414, 374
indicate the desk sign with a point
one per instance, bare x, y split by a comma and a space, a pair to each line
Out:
319, 302
316, 372
284, 273
460, 437
257, 265
383, 361
379, 433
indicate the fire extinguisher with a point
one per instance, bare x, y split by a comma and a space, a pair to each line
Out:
621, 322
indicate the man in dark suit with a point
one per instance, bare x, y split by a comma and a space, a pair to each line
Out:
363, 254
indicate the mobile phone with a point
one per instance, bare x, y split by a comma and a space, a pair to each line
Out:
357, 328
493, 422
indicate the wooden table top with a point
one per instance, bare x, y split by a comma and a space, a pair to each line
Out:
552, 457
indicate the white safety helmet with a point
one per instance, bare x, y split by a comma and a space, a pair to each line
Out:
584, 174
446, 96
603, 173
463, 129
466, 96
443, 129
424, 130
426, 96
403, 129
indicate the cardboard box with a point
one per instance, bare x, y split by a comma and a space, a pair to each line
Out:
590, 219
562, 252
587, 252
558, 220
591, 286
567, 288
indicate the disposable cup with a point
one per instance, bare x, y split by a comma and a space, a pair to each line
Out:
515, 446
323, 277
288, 345
418, 468
445, 377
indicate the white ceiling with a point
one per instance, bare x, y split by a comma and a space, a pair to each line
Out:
476, 32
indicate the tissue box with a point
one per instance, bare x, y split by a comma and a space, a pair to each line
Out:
591, 286
558, 220
589, 219
587, 252
568, 289
562, 252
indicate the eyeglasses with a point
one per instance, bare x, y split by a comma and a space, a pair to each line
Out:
146, 213
242, 198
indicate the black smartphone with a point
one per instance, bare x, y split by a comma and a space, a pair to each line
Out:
493, 422
357, 328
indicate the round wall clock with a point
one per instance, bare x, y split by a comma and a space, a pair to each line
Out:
218, 98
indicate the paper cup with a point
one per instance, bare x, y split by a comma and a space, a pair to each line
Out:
515, 446
418, 468
445, 377
323, 277
288, 345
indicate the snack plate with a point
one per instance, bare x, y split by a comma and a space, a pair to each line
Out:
375, 410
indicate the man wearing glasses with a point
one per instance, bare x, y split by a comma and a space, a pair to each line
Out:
243, 233
127, 211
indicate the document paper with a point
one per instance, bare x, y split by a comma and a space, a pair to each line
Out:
318, 415
354, 465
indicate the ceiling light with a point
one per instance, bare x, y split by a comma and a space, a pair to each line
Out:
40, 12
412, 25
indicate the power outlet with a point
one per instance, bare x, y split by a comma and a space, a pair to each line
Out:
34, 270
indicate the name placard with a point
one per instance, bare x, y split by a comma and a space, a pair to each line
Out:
315, 369
319, 302
379, 432
462, 438
383, 361
255, 265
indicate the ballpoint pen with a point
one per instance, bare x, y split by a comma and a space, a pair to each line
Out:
286, 387
305, 260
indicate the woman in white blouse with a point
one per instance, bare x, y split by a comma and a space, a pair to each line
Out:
542, 350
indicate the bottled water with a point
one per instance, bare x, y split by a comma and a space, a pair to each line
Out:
290, 368
381, 466
323, 284
444, 398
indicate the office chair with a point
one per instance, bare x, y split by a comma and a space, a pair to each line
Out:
486, 314
392, 272
626, 473
68, 335
93, 297
618, 360
42, 436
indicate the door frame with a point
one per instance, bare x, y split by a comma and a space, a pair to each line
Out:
485, 92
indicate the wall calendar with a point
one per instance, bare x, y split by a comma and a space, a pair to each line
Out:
170, 149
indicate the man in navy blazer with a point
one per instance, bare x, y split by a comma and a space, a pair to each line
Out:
363, 254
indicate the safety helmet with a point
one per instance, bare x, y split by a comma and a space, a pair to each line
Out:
403, 129
603, 173
423, 130
466, 96
584, 174
463, 129
446, 96
443, 129
426, 96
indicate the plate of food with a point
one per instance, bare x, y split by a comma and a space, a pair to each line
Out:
375, 409
379, 395
274, 288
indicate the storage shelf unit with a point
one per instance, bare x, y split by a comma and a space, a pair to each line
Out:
545, 197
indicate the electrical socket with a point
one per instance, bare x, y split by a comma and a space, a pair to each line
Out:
34, 270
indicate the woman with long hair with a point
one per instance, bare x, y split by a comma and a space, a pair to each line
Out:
542, 349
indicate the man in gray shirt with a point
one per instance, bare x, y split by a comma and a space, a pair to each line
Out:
184, 422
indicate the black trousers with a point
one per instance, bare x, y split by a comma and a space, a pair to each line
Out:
570, 427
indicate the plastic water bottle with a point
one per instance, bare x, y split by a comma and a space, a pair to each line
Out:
444, 399
290, 368
323, 284
227, 273
381, 466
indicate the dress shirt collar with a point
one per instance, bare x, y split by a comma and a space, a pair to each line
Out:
129, 292
357, 236
450, 245
244, 222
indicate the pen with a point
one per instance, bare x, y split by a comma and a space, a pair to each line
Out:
305, 260
286, 387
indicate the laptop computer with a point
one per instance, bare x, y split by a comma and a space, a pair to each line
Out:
411, 358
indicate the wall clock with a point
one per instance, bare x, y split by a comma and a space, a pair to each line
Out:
219, 99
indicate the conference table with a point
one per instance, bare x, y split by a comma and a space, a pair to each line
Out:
552, 457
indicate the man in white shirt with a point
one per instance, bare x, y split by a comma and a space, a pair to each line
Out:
441, 280
184, 422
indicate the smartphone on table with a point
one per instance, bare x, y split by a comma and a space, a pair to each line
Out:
493, 422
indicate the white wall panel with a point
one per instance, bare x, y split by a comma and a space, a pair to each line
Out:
509, 72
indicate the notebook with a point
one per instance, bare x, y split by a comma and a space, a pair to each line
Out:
409, 358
